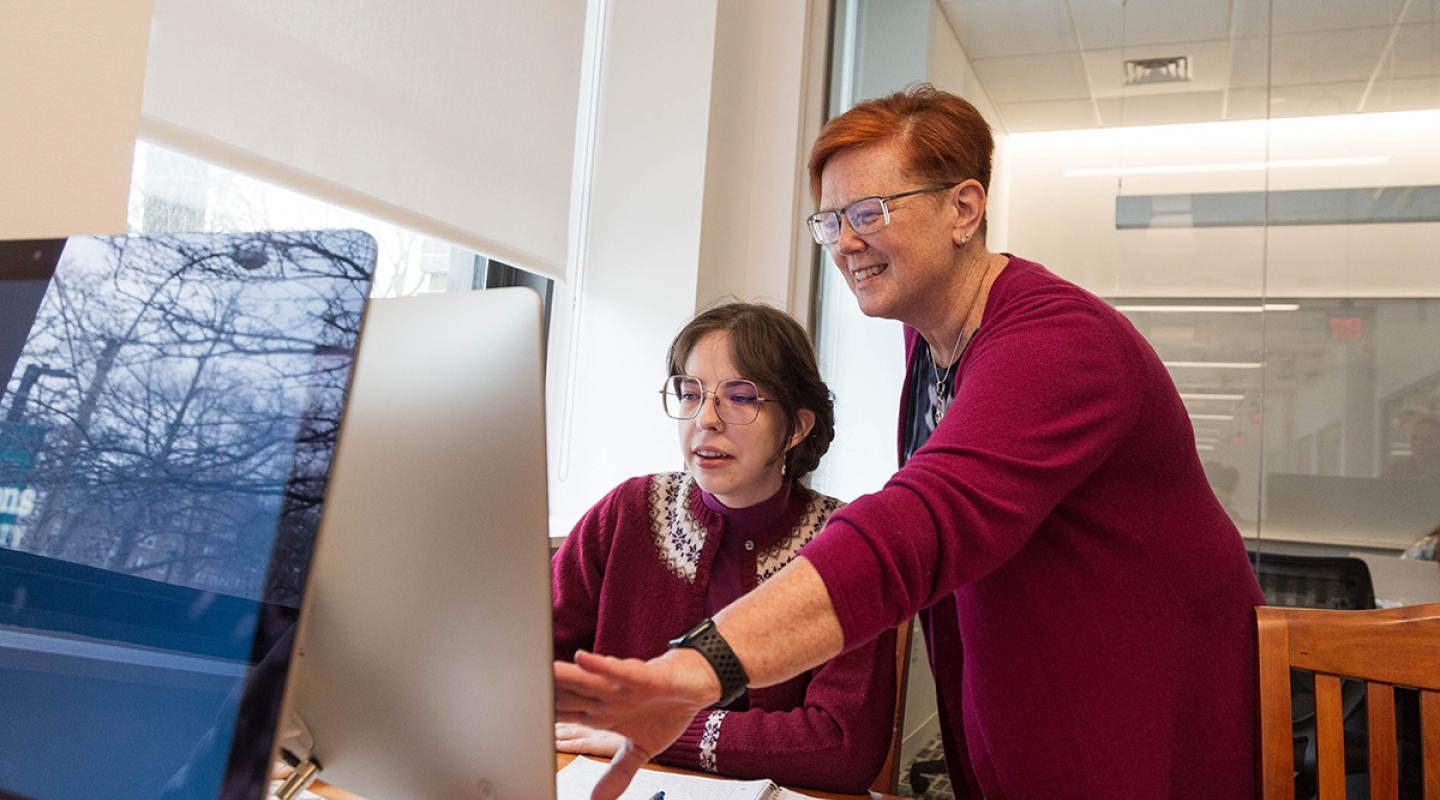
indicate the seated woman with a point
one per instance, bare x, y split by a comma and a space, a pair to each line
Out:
660, 553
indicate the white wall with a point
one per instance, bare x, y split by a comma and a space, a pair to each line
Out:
71, 74
633, 275
701, 111
760, 126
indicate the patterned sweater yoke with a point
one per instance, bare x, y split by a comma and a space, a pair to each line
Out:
680, 526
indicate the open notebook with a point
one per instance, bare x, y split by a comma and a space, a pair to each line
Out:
575, 781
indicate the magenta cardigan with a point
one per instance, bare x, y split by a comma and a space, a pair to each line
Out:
1086, 601
636, 572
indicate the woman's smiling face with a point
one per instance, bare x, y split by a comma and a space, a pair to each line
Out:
896, 271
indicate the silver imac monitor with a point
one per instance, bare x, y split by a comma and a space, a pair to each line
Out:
423, 669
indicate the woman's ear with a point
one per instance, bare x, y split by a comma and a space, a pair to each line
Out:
969, 200
804, 423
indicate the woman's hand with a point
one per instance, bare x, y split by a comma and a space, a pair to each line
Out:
648, 703
572, 737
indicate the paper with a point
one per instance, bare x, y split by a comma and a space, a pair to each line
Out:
578, 778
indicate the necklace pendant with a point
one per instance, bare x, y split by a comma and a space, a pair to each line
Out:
939, 413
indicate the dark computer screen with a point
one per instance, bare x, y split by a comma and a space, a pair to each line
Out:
168, 420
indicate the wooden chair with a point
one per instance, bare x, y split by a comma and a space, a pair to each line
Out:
1385, 648
888, 780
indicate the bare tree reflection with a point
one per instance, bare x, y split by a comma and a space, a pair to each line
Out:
194, 397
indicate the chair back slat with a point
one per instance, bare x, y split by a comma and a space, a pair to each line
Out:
1387, 647
1384, 767
1330, 737
1277, 756
1430, 742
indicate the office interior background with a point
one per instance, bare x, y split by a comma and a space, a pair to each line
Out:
1255, 183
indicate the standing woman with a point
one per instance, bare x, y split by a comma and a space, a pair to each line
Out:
1086, 601
662, 552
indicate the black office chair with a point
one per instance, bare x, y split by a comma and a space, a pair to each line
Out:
1334, 582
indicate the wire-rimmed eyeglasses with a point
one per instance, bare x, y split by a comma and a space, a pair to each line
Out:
866, 215
737, 401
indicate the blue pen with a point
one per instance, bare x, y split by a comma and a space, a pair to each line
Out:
660, 795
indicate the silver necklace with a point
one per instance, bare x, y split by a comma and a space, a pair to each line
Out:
941, 377
938, 410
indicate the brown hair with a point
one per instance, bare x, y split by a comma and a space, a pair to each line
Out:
771, 349
943, 139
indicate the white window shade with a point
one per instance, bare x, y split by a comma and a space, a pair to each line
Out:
453, 118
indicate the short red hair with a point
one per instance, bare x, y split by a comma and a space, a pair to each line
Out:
942, 137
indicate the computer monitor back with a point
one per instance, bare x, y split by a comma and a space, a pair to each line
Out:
424, 667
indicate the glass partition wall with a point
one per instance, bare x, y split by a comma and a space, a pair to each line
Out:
1254, 183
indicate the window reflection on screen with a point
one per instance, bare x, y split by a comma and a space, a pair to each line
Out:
166, 431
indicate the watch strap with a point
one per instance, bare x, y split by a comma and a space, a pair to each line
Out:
706, 639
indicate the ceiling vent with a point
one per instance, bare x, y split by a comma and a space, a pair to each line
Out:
1142, 71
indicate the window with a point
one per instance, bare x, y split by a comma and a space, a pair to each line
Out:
172, 192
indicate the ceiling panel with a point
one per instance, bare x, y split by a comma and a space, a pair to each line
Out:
1252, 18
1404, 94
1245, 104
1297, 16
1316, 100
993, 28
1326, 56
1416, 52
1327, 99
1250, 62
1161, 109
1049, 115
1104, 23
1020, 79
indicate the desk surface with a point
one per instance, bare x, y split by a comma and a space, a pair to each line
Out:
561, 759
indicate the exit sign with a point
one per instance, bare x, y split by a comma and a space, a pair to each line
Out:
1347, 328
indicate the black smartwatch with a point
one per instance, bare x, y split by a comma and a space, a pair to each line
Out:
707, 640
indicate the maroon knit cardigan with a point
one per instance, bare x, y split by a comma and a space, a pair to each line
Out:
1088, 603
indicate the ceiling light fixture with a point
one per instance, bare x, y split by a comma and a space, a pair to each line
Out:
1214, 364
1209, 309
1203, 396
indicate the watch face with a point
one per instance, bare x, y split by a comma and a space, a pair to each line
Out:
694, 633
701, 629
